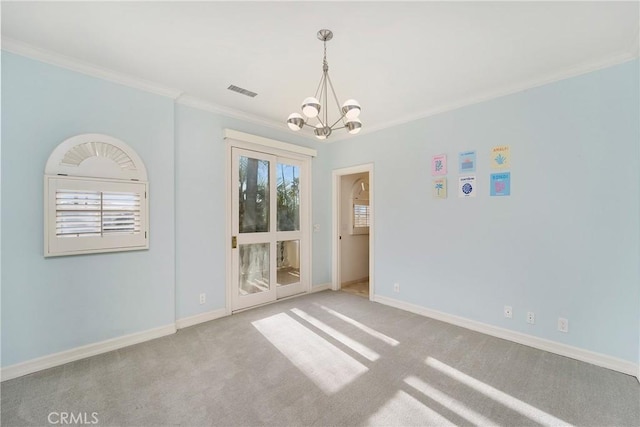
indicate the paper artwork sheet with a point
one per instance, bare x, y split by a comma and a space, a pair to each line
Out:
501, 157
440, 188
467, 162
439, 165
467, 186
500, 184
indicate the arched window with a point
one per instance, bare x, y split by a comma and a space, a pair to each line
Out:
96, 197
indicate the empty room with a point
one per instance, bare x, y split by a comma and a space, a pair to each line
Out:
318, 213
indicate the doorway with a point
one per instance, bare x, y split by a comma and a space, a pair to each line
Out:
269, 226
353, 221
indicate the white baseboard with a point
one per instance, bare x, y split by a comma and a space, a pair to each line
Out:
583, 355
320, 288
185, 322
56, 359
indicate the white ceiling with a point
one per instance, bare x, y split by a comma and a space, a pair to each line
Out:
400, 60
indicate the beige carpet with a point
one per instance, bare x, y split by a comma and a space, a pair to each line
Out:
325, 359
361, 288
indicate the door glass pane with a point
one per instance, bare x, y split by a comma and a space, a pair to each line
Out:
288, 197
254, 268
288, 261
254, 195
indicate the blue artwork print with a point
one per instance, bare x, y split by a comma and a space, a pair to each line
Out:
500, 159
467, 186
500, 184
467, 162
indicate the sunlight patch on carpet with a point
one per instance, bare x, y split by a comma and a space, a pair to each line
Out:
405, 410
322, 362
364, 328
338, 336
449, 402
509, 401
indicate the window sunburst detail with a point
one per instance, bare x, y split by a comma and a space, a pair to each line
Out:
81, 152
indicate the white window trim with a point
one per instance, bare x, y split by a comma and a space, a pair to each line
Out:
94, 162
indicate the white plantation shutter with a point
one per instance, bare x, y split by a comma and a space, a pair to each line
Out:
360, 216
120, 213
94, 213
86, 215
78, 213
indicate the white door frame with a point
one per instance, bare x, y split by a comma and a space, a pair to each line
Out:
247, 141
337, 174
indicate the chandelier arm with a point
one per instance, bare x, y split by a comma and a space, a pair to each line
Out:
326, 101
336, 122
319, 86
335, 98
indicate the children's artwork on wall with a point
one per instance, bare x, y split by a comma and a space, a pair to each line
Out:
500, 184
467, 162
501, 157
467, 186
439, 165
440, 188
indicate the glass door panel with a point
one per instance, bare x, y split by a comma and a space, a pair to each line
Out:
289, 231
254, 268
253, 216
288, 197
288, 262
253, 195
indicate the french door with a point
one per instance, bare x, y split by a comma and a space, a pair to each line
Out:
269, 227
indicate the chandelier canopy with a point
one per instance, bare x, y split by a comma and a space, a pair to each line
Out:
312, 107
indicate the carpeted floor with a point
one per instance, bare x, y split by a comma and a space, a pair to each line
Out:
326, 359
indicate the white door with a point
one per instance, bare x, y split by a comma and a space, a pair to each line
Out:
269, 244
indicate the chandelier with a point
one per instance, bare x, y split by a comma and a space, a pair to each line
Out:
313, 109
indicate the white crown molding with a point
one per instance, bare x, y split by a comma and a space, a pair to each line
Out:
201, 104
573, 71
207, 316
577, 353
57, 359
24, 49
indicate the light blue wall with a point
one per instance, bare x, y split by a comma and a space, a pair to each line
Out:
564, 244
200, 232
54, 304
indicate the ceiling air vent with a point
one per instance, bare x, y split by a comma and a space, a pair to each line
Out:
242, 91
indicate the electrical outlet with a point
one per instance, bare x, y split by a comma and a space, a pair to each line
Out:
316, 228
531, 317
563, 324
203, 298
508, 311
396, 287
